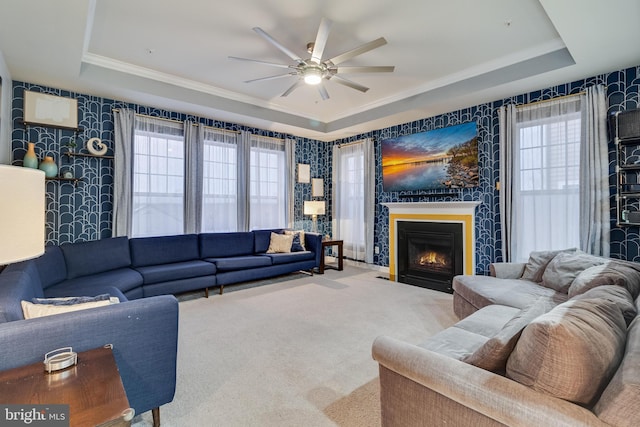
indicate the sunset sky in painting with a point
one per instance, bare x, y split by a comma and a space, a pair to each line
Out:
425, 145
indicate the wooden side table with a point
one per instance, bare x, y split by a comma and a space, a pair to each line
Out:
92, 389
331, 243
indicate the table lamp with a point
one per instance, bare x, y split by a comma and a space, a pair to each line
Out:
314, 208
22, 216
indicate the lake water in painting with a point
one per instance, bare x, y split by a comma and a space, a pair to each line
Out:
415, 177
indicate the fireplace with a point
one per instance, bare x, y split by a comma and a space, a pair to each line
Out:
430, 254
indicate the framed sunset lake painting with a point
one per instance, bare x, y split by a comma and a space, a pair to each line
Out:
444, 158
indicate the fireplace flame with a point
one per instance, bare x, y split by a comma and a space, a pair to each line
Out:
431, 258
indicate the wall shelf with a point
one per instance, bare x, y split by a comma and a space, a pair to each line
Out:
31, 124
93, 156
73, 181
627, 168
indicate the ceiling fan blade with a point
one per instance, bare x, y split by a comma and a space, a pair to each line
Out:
357, 51
273, 64
372, 69
321, 40
349, 83
293, 87
270, 77
323, 92
274, 42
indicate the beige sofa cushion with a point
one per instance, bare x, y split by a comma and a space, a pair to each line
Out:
493, 354
617, 273
565, 267
572, 351
466, 336
537, 263
616, 294
619, 404
280, 243
481, 291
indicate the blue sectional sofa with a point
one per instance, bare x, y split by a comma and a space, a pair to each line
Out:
142, 273
148, 266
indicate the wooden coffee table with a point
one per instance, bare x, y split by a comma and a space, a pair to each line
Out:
92, 389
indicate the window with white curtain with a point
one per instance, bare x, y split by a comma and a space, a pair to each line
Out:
547, 177
158, 178
349, 198
220, 186
268, 190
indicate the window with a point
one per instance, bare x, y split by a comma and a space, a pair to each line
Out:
158, 180
353, 199
229, 175
220, 186
268, 189
547, 177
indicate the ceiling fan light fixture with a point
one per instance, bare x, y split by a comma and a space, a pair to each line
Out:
313, 70
312, 75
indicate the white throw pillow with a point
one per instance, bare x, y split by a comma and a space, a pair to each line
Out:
280, 243
31, 310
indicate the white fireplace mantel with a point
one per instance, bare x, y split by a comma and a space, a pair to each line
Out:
432, 207
462, 212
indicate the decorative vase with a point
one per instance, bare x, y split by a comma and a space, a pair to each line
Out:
30, 159
49, 167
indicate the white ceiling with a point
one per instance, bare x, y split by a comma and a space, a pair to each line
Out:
447, 54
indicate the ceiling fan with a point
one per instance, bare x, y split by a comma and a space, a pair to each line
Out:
313, 70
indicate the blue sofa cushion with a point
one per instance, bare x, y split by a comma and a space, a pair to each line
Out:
296, 245
216, 245
240, 262
286, 258
51, 266
176, 271
83, 259
163, 250
262, 239
124, 279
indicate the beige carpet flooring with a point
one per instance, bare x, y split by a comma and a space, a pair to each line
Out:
296, 352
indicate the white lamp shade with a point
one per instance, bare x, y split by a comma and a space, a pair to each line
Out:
22, 213
313, 207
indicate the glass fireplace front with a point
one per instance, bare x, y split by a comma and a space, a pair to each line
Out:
429, 253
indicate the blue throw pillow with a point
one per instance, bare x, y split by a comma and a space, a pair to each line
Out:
295, 245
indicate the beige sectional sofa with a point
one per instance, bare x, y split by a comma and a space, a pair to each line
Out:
551, 342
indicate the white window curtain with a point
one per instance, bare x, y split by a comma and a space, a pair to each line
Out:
268, 183
290, 164
595, 223
158, 177
194, 150
353, 198
547, 164
220, 175
123, 171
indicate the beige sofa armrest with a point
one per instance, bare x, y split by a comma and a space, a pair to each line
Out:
507, 270
484, 392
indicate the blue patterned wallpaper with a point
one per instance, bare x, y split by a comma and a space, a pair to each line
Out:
623, 89
84, 212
